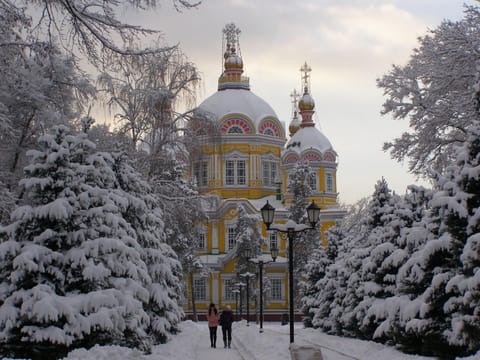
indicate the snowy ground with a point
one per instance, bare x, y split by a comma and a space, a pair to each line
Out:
248, 344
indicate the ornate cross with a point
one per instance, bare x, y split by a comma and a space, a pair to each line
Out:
305, 70
294, 95
231, 32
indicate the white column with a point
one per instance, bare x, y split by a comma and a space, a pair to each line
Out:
214, 237
215, 287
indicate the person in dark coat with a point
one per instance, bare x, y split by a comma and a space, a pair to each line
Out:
226, 320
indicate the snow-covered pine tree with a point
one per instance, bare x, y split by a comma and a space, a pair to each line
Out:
407, 235
183, 212
333, 286
7, 202
305, 242
76, 277
247, 237
381, 267
315, 271
140, 208
248, 242
358, 264
439, 278
463, 221
181, 205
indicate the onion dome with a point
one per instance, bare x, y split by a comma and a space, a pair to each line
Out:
306, 102
233, 61
294, 125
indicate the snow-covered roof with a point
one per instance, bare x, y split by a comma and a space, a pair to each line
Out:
238, 101
309, 138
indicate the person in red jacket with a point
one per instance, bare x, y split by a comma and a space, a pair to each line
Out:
213, 318
226, 320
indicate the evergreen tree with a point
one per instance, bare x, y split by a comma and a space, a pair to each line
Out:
437, 301
315, 271
333, 286
140, 208
401, 236
305, 242
463, 221
359, 265
74, 273
247, 239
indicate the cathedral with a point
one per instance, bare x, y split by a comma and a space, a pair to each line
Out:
245, 164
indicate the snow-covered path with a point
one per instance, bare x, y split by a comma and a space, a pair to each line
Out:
203, 351
193, 343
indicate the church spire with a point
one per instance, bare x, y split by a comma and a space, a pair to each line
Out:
306, 103
231, 77
295, 123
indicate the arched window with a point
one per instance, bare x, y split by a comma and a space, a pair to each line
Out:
235, 130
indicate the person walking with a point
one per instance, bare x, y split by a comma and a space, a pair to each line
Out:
213, 318
226, 320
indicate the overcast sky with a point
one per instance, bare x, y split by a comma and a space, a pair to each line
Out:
347, 43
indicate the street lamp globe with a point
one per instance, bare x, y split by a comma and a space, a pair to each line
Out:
274, 253
268, 212
247, 253
313, 213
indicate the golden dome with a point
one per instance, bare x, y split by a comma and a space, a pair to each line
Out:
294, 124
233, 61
306, 102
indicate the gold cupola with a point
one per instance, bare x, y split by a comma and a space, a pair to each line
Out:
233, 61
231, 77
306, 105
306, 102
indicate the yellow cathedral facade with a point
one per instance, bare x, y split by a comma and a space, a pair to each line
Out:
248, 164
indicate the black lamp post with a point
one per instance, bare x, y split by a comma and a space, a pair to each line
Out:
291, 228
261, 261
236, 291
247, 277
240, 286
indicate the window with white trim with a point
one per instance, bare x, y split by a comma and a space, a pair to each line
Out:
200, 171
269, 173
235, 172
200, 289
273, 240
230, 238
276, 289
329, 182
228, 287
312, 181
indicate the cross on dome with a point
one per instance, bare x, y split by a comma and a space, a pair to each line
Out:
231, 35
294, 95
305, 69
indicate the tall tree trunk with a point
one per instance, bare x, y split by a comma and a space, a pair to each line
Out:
20, 144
